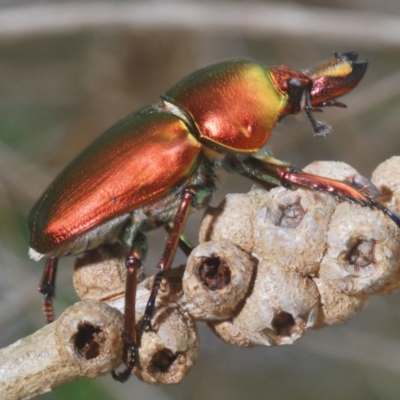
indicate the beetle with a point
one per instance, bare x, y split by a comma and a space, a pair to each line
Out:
151, 167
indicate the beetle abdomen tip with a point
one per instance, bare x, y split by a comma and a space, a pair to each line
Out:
34, 254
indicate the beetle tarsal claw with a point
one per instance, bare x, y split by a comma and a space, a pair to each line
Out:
146, 324
365, 186
122, 376
130, 352
320, 128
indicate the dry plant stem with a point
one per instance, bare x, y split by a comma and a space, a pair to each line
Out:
84, 341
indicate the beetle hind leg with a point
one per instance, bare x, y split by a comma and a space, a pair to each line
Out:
47, 287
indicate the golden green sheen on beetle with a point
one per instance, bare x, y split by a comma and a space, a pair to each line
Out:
234, 104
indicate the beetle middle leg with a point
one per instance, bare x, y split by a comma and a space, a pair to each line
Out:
288, 176
184, 244
164, 264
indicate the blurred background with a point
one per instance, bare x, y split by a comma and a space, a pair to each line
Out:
68, 70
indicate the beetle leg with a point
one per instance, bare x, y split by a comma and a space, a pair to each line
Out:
188, 198
331, 103
130, 351
290, 176
365, 186
320, 128
299, 96
47, 287
184, 243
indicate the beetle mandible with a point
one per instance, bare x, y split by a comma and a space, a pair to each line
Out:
152, 166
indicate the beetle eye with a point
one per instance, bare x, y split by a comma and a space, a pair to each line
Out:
294, 83
295, 90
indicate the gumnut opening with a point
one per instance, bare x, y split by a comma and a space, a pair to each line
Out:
361, 257
216, 280
280, 308
89, 336
167, 353
289, 230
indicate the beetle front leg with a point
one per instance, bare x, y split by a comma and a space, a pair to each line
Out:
175, 232
289, 176
47, 287
130, 350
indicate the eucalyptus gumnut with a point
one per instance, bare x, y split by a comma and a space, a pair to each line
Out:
216, 280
